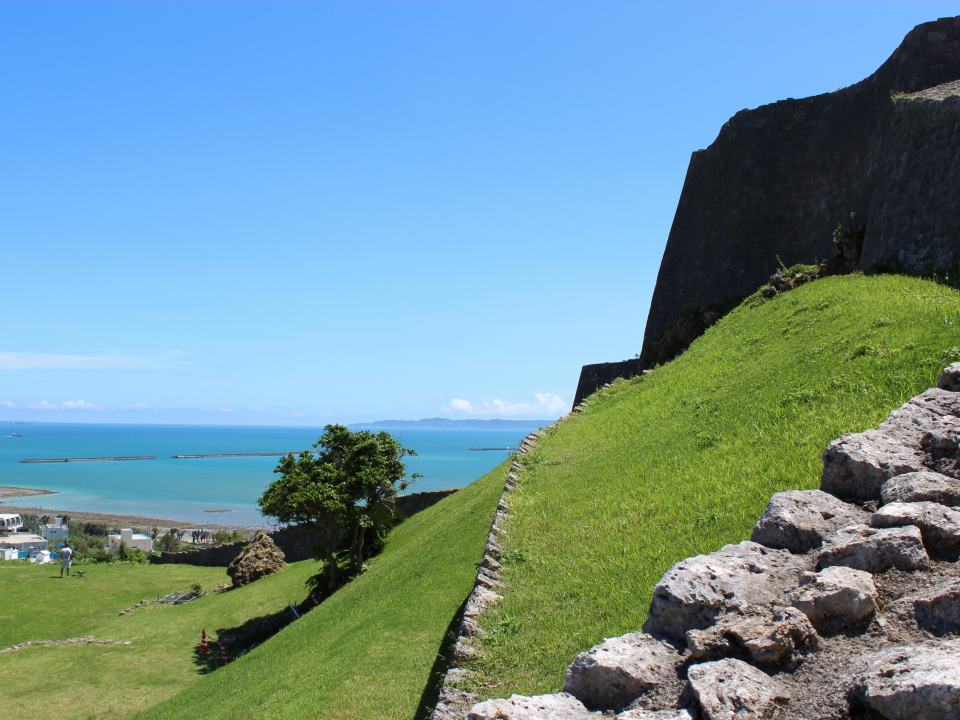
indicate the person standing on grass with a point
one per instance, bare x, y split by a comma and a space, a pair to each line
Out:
66, 559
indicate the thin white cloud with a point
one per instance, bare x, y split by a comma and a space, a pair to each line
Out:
65, 405
461, 405
99, 361
7, 404
542, 405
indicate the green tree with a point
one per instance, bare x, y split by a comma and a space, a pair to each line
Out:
345, 491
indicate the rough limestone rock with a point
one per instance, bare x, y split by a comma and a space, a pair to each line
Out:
560, 706
920, 486
733, 690
695, 591
938, 609
837, 597
938, 402
912, 682
259, 557
614, 673
800, 520
855, 466
875, 550
939, 525
779, 636
641, 714
950, 378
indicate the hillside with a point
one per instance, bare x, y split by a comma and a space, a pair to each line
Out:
371, 649
684, 460
158, 659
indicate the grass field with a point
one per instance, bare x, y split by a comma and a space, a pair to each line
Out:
371, 649
117, 681
684, 460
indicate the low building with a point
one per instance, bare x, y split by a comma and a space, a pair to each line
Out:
10, 522
128, 538
25, 542
55, 532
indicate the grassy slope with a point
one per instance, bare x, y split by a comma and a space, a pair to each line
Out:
684, 460
370, 649
118, 681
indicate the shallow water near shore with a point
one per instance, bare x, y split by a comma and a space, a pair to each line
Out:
189, 489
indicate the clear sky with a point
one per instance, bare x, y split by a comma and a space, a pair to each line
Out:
286, 212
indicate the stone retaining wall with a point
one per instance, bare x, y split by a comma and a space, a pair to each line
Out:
845, 604
296, 543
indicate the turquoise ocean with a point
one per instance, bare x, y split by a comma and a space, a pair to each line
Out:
188, 489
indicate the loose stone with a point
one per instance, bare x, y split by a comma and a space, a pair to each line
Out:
912, 682
614, 673
837, 598
800, 520
875, 550
920, 486
939, 525
733, 690
560, 706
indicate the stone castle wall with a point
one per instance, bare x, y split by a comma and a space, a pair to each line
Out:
778, 179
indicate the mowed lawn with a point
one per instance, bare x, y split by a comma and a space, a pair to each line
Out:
684, 460
117, 681
372, 650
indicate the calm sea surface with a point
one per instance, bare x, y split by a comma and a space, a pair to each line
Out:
187, 489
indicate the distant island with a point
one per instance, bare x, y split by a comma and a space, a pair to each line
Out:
451, 424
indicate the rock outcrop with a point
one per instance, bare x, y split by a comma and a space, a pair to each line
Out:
869, 165
259, 558
846, 604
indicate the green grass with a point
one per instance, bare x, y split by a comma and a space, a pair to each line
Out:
684, 460
371, 649
117, 681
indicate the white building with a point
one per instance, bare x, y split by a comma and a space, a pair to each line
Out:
55, 532
130, 539
26, 542
10, 522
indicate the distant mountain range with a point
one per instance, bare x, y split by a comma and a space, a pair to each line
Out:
451, 424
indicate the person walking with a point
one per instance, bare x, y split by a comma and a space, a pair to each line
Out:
66, 559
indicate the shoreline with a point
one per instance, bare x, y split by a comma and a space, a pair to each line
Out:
122, 519
15, 491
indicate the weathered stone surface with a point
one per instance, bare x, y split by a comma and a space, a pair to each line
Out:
560, 706
938, 609
920, 486
778, 636
641, 714
614, 673
260, 557
480, 599
939, 525
733, 690
800, 520
855, 466
938, 401
836, 598
912, 682
695, 591
950, 378
875, 550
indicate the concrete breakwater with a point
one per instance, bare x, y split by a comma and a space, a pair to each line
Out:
117, 458
236, 455
112, 458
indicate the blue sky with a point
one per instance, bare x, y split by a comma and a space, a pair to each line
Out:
301, 212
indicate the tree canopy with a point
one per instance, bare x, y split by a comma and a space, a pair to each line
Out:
345, 490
